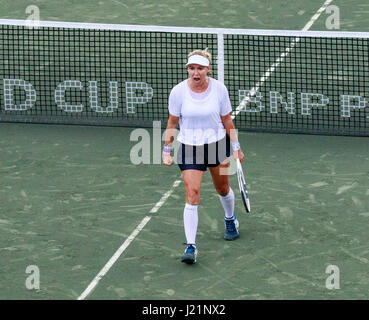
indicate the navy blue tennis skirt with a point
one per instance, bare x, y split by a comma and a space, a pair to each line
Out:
203, 156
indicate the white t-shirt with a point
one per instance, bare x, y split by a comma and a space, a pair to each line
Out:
199, 113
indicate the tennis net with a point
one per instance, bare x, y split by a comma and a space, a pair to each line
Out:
279, 81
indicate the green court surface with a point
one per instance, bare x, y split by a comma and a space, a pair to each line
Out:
249, 14
70, 198
70, 195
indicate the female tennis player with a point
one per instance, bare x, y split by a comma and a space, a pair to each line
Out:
201, 106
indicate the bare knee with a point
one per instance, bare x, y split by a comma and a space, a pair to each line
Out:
193, 195
223, 190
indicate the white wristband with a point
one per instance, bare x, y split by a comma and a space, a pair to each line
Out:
235, 146
167, 149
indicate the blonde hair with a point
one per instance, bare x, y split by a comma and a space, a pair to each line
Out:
205, 53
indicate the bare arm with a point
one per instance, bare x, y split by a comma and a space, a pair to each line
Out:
229, 126
171, 129
232, 132
169, 137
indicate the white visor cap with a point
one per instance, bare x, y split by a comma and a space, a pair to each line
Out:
198, 59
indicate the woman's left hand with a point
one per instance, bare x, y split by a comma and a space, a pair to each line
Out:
238, 155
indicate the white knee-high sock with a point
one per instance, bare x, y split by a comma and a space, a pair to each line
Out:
228, 203
190, 219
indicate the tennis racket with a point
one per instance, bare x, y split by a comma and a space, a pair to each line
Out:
242, 186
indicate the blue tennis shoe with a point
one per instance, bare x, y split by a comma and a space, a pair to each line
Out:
190, 254
231, 228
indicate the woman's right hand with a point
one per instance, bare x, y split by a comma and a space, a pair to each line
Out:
167, 159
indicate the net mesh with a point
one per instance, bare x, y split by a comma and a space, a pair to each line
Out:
124, 77
92, 76
299, 84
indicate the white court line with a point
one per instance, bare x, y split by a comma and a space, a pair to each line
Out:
126, 243
122, 4
145, 220
276, 64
